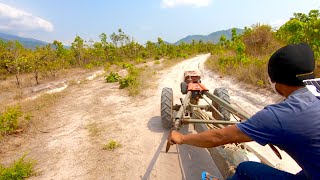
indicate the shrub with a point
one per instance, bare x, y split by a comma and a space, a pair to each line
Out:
112, 77
260, 40
9, 119
107, 66
20, 169
111, 145
139, 60
89, 66
127, 65
127, 81
157, 62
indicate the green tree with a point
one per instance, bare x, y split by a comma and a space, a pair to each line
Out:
78, 49
302, 28
15, 60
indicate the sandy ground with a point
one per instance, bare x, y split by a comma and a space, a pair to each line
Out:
94, 112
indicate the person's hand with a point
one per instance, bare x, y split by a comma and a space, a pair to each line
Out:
175, 137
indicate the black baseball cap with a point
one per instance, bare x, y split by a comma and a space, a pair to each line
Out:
292, 64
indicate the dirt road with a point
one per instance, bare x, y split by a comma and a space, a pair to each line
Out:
93, 113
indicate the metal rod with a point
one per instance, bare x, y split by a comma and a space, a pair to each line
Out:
214, 108
238, 112
208, 122
182, 110
199, 106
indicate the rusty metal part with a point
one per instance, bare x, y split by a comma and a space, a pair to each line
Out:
197, 87
168, 142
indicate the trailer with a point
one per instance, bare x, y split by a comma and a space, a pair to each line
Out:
216, 113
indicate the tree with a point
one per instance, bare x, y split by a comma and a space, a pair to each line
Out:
15, 60
103, 39
78, 49
302, 28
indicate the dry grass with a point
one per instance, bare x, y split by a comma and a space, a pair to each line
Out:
260, 41
42, 102
93, 129
254, 72
143, 81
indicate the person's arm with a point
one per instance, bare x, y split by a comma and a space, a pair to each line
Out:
211, 138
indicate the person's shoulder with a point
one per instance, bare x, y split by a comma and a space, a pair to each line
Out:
303, 95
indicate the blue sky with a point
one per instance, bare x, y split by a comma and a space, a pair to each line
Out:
142, 19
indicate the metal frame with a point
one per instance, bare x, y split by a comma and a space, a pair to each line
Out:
186, 115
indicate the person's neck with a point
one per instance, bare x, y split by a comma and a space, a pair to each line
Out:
286, 90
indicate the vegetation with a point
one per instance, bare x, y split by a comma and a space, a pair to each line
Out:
9, 119
246, 56
20, 169
45, 62
111, 145
112, 77
248, 51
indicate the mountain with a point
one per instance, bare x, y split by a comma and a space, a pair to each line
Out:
213, 37
26, 42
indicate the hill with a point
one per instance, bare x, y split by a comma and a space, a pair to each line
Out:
213, 37
26, 42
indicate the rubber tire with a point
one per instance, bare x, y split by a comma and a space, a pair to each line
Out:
184, 88
166, 108
223, 94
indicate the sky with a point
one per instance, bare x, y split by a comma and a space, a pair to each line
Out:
142, 20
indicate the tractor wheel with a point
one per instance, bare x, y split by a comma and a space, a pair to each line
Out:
184, 88
166, 107
223, 94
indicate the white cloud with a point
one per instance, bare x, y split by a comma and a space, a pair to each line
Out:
278, 23
16, 19
193, 3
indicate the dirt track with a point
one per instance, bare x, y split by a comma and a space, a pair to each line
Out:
95, 112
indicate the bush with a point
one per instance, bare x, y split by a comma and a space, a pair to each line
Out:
139, 60
9, 119
126, 65
127, 81
112, 77
20, 169
157, 62
260, 40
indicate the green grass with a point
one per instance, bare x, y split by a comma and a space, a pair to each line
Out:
20, 169
111, 145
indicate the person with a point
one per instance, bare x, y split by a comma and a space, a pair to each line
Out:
293, 124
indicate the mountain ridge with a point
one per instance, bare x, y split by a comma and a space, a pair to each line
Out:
26, 42
213, 37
